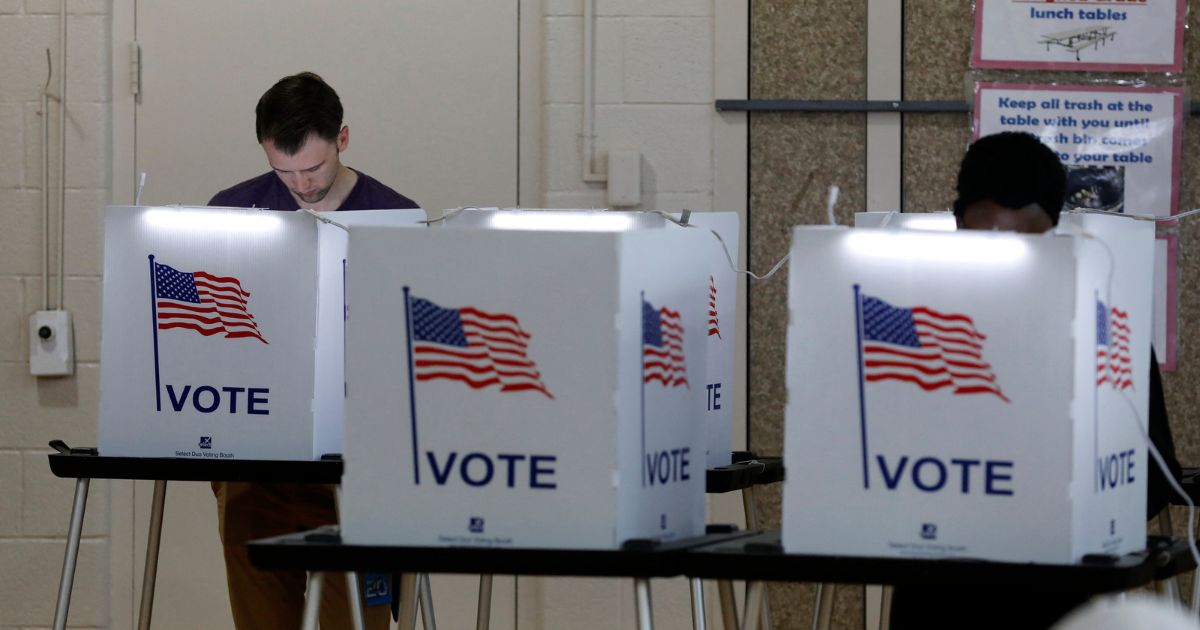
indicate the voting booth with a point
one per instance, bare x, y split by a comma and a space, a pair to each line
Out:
968, 394
525, 379
716, 395
222, 331
720, 334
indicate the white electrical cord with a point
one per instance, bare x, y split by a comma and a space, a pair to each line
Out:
589, 92
62, 147
137, 196
325, 220
728, 256
46, 183
831, 203
1140, 217
450, 214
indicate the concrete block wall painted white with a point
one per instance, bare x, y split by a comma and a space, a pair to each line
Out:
654, 93
34, 504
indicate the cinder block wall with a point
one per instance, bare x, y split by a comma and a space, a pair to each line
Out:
654, 93
654, 89
35, 505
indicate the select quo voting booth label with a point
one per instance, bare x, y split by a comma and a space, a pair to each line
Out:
969, 394
222, 332
525, 387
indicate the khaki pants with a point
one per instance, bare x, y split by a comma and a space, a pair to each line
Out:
265, 600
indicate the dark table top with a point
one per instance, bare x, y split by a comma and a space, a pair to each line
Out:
761, 557
87, 463
323, 549
727, 555
746, 470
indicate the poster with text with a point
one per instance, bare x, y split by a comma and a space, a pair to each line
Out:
1120, 144
1103, 35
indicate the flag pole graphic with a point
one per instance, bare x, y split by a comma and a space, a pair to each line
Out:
862, 398
1096, 393
642, 363
154, 324
412, 393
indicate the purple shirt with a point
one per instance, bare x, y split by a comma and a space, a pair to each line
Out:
267, 191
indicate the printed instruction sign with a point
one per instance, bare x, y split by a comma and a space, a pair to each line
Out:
1121, 145
1103, 35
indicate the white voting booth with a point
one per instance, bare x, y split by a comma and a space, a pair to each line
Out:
525, 379
720, 334
968, 394
222, 331
716, 394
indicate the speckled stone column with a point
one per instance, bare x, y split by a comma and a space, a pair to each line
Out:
800, 49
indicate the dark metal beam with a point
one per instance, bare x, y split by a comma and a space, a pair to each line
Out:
908, 107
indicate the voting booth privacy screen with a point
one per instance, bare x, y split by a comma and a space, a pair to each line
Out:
720, 334
525, 387
982, 390
222, 332
716, 394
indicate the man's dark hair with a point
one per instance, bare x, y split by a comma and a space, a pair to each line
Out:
1012, 169
296, 107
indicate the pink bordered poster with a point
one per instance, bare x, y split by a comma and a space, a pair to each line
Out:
1091, 35
1166, 300
1121, 146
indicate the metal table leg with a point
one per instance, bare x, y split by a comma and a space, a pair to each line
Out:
754, 599
699, 621
483, 615
641, 589
728, 605
823, 612
312, 600
750, 506
153, 537
1170, 586
408, 601
885, 608
72, 554
427, 620
353, 592
355, 601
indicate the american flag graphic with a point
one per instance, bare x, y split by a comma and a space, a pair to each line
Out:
713, 325
1113, 364
200, 301
662, 347
474, 347
930, 349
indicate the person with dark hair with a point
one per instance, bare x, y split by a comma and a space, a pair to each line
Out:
299, 125
1010, 181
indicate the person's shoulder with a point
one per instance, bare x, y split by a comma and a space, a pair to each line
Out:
253, 192
372, 194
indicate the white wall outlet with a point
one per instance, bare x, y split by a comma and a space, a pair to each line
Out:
624, 178
51, 344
